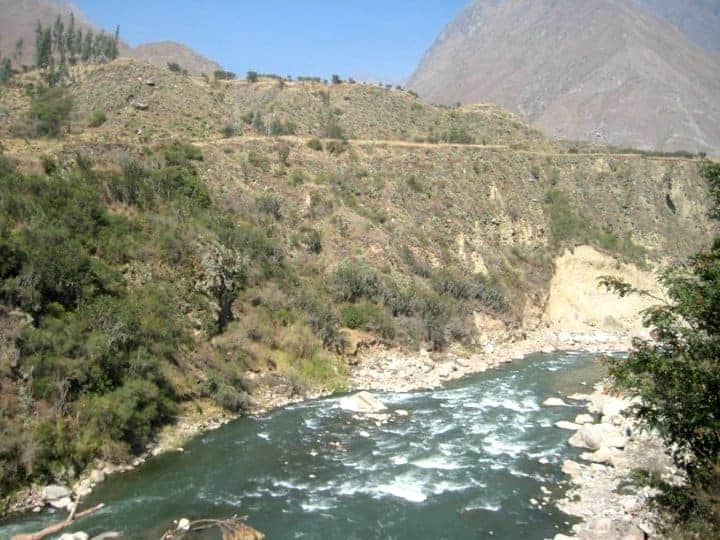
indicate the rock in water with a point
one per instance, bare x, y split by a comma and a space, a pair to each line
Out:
570, 426
584, 419
554, 402
362, 402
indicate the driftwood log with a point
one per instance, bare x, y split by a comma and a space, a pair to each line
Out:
231, 529
57, 527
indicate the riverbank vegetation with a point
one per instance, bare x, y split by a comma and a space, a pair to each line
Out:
676, 374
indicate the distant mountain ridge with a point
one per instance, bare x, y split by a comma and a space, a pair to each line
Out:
20, 17
608, 71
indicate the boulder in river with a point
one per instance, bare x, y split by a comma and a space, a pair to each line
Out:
570, 426
362, 402
584, 419
554, 402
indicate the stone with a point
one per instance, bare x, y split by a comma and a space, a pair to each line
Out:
54, 492
601, 455
97, 476
554, 402
80, 535
584, 419
184, 524
595, 436
140, 105
62, 503
572, 469
613, 407
570, 426
83, 491
362, 402
402, 412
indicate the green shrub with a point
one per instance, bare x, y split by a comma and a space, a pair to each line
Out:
457, 135
97, 118
270, 204
312, 240
352, 280
566, 224
49, 112
367, 316
222, 75
315, 144
252, 76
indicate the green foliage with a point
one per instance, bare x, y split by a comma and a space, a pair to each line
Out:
252, 76
457, 135
676, 372
565, 223
315, 144
92, 375
367, 316
270, 204
222, 75
49, 112
61, 44
177, 68
97, 118
352, 280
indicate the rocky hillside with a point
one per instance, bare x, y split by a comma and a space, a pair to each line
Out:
160, 249
699, 20
159, 54
20, 17
608, 72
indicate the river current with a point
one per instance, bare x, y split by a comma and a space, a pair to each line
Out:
478, 458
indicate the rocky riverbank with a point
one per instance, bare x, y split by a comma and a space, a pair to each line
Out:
603, 493
397, 371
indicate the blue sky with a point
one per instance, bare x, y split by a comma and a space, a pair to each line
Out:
379, 39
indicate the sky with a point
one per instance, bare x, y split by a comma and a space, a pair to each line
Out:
378, 40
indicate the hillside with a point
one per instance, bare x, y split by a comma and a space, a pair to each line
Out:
163, 253
159, 54
606, 72
20, 17
698, 20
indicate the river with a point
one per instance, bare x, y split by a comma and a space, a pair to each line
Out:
468, 461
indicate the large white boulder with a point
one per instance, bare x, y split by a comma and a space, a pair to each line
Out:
554, 402
613, 407
595, 436
362, 402
54, 492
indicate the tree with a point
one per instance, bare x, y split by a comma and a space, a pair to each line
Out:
252, 76
676, 372
336, 79
70, 40
43, 46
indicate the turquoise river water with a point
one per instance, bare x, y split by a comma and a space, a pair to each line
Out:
464, 463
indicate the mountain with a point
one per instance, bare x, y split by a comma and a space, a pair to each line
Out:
20, 17
162, 52
606, 71
699, 20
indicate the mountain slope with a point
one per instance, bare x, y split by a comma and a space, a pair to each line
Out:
602, 71
699, 20
20, 17
160, 53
